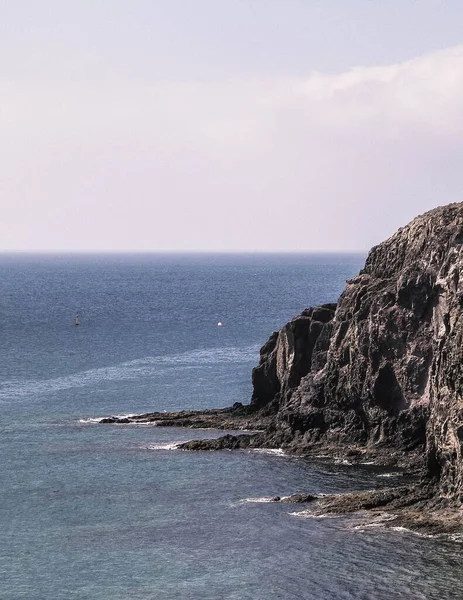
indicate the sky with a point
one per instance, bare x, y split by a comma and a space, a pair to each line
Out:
226, 125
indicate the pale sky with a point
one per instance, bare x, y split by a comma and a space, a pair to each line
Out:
210, 125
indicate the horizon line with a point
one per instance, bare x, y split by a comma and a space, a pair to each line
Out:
124, 251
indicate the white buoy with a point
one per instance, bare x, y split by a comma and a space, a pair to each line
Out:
219, 324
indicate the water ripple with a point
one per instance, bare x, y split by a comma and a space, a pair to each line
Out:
131, 370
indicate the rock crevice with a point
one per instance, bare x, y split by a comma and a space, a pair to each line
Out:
381, 368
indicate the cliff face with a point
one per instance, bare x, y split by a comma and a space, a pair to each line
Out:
382, 368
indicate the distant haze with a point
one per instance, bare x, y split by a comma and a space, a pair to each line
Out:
243, 125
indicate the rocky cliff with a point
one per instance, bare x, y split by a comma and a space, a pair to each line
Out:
376, 376
380, 370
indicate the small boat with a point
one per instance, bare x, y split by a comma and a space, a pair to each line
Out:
76, 320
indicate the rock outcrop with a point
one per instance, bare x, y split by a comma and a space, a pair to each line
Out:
381, 370
376, 376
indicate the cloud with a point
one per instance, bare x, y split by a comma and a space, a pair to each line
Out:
329, 161
425, 91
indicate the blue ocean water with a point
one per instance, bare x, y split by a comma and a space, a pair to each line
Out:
101, 512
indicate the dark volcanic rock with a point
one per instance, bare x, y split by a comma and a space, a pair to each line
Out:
382, 369
299, 498
226, 442
291, 353
236, 417
378, 375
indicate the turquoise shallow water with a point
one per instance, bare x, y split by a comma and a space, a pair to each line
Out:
111, 512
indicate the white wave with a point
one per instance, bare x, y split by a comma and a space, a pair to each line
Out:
129, 416
383, 522
148, 366
383, 526
367, 526
310, 515
377, 522
401, 529
93, 420
343, 461
387, 475
258, 500
271, 451
167, 446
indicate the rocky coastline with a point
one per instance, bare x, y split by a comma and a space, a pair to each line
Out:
376, 376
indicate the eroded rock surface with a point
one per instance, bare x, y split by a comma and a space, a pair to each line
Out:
382, 369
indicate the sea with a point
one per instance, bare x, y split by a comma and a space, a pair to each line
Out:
115, 512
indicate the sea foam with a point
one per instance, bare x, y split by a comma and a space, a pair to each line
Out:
270, 451
166, 446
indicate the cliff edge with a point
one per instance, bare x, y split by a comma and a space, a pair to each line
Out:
381, 370
375, 377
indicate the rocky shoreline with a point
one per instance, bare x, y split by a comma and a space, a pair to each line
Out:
376, 376
417, 508
258, 429
391, 507
238, 417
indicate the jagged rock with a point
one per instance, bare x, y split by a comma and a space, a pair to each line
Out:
383, 367
377, 374
291, 353
299, 498
237, 417
226, 442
